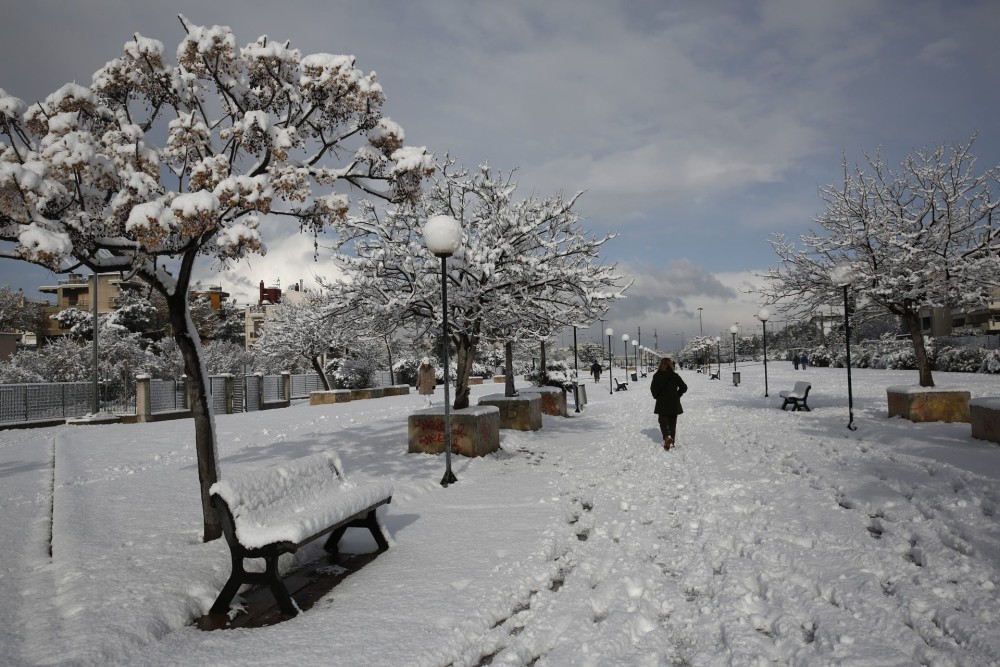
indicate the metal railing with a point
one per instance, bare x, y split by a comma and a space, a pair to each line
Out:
59, 400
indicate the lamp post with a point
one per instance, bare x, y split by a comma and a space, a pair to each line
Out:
443, 236
97, 386
734, 330
625, 360
718, 357
844, 275
701, 330
576, 370
635, 356
611, 387
763, 314
638, 331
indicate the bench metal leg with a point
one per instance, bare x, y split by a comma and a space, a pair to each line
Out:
278, 589
229, 591
331, 542
371, 522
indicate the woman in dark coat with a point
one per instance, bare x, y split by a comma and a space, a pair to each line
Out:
667, 388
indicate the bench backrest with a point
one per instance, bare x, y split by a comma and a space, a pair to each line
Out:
801, 389
294, 481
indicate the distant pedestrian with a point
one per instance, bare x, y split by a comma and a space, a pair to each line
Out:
595, 370
795, 361
426, 380
804, 361
667, 387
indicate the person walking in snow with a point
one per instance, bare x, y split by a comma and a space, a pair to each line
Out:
426, 380
795, 361
804, 361
667, 387
595, 370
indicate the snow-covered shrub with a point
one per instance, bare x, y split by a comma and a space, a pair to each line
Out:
13, 374
222, 356
452, 372
991, 362
820, 357
405, 370
351, 373
558, 374
960, 359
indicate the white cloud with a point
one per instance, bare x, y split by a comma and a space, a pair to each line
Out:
289, 259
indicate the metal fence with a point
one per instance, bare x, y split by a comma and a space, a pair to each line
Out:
58, 400
988, 342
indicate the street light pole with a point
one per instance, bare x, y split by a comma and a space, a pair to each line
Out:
576, 369
625, 360
847, 340
733, 330
611, 387
763, 314
97, 387
443, 235
701, 330
718, 357
635, 356
845, 275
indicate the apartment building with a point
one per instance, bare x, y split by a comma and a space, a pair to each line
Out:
77, 291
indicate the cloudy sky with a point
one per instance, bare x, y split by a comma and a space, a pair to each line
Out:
696, 129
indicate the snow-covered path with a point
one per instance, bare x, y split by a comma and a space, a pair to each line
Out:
763, 537
760, 539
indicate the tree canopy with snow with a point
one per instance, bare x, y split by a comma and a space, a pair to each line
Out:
158, 164
303, 332
920, 236
17, 313
524, 267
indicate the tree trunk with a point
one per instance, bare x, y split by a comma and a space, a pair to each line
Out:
388, 349
465, 354
508, 369
912, 321
318, 367
543, 374
189, 344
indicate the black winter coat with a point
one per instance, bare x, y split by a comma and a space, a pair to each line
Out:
667, 388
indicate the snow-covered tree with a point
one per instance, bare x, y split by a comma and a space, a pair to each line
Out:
157, 164
17, 313
140, 311
223, 356
296, 334
524, 268
919, 236
79, 322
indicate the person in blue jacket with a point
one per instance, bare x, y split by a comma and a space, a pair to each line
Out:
667, 387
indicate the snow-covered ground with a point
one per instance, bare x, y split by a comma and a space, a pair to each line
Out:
764, 537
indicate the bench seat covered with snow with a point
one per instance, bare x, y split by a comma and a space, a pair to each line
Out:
796, 397
276, 509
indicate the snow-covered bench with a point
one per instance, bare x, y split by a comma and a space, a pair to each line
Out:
276, 509
796, 397
714, 374
620, 386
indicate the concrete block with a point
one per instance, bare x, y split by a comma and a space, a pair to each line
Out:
553, 399
985, 416
329, 397
475, 431
520, 413
929, 404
